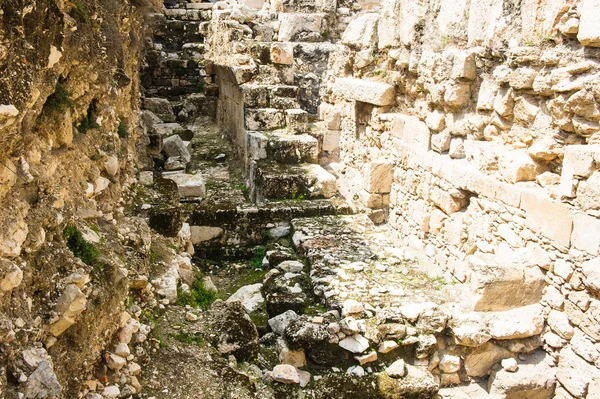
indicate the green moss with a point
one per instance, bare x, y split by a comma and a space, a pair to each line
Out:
259, 254
123, 130
198, 297
187, 338
80, 13
82, 249
58, 101
201, 87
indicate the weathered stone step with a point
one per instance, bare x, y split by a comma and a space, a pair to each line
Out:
188, 14
227, 225
289, 148
273, 181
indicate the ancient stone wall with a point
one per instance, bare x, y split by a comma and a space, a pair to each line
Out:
70, 136
472, 128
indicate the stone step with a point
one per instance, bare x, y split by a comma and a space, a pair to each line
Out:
189, 186
286, 147
273, 181
247, 224
187, 14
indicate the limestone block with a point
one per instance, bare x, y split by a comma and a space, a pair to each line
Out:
173, 146
526, 109
504, 102
188, 185
451, 17
457, 94
588, 192
522, 78
574, 373
263, 119
480, 361
379, 176
361, 31
545, 149
388, 27
516, 166
367, 91
411, 14
586, 233
11, 276
251, 299
161, 107
582, 159
463, 66
331, 141
372, 201
435, 120
412, 131
14, 230
324, 184
591, 271
457, 148
487, 94
584, 105
257, 145
290, 25
589, 26
484, 17
446, 201
331, 115
441, 142
286, 374
523, 322
70, 304
559, 323
282, 53
492, 276
296, 120
537, 207
534, 379
8, 177
200, 234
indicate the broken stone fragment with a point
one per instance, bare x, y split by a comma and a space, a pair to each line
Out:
114, 362
355, 343
250, 297
286, 374
396, 369
42, 383
11, 276
70, 305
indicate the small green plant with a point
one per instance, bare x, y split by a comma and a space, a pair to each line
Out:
89, 120
82, 249
325, 34
259, 254
80, 13
173, 247
201, 86
445, 40
123, 130
96, 157
198, 297
242, 188
94, 228
188, 338
58, 101
153, 257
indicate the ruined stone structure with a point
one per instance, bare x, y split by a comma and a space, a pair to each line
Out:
387, 199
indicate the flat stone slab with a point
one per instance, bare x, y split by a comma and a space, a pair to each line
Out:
188, 185
366, 91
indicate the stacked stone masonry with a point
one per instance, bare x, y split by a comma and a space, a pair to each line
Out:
471, 128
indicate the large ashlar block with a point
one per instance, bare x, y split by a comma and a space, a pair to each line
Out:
589, 26
361, 31
366, 91
484, 18
411, 130
523, 322
586, 233
379, 177
547, 217
491, 277
448, 201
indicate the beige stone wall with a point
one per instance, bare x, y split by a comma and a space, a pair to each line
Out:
489, 148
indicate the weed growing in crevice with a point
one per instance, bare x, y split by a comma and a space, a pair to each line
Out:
198, 297
188, 338
58, 101
80, 13
123, 130
259, 254
89, 120
82, 249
